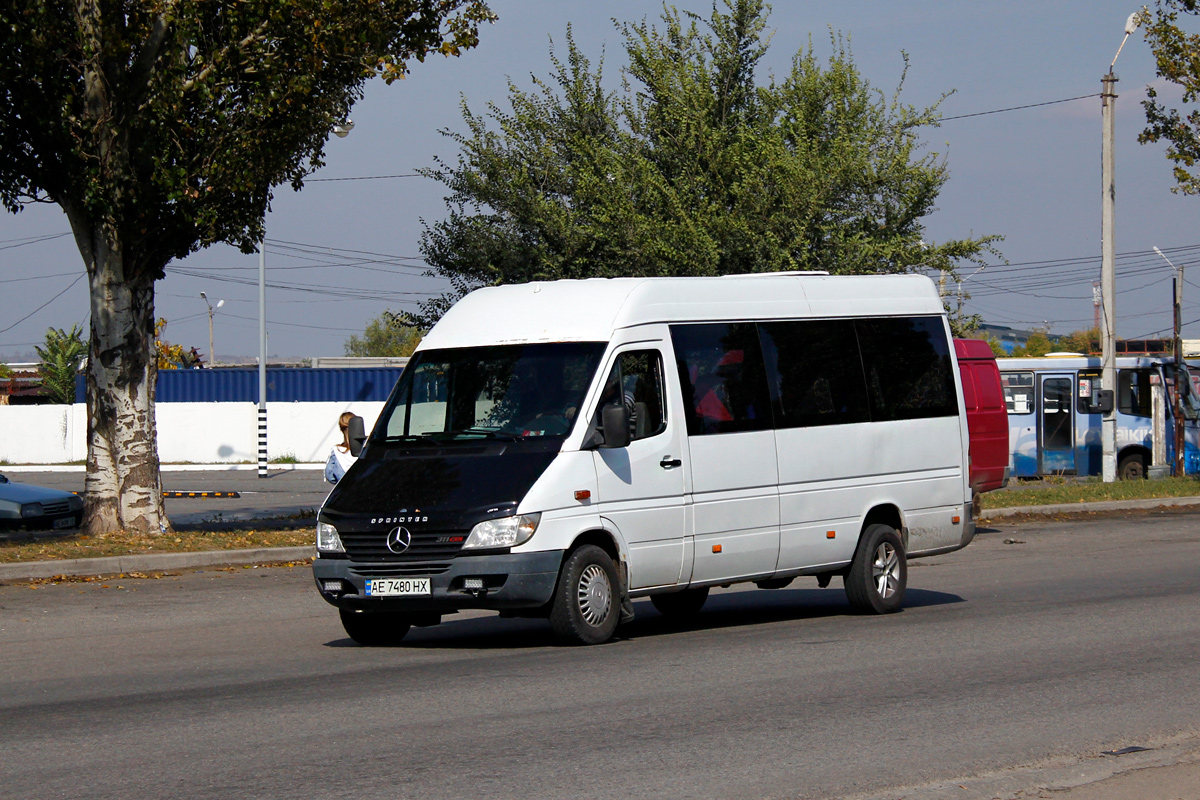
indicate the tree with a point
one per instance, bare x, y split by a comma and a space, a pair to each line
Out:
1176, 58
172, 356
1086, 342
386, 335
691, 168
163, 126
61, 357
1038, 344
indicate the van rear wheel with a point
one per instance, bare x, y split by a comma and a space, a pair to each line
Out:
680, 605
878, 574
379, 629
586, 605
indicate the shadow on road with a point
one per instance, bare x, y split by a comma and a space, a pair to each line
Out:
726, 610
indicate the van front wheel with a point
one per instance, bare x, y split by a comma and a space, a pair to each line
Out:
879, 573
586, 606
379, 629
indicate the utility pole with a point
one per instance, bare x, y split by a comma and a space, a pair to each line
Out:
1108, 279
1180, 373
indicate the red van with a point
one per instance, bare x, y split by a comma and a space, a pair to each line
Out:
987, 417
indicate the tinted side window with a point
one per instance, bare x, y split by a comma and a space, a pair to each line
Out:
815, 373
723, 379
908, 368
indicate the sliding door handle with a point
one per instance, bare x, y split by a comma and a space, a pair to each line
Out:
669, 462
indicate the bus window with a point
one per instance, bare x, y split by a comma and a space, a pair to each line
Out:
1018, 392
1056, 413
1089, 383
1133, 392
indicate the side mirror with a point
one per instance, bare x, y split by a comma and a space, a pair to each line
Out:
616, 425
358, 435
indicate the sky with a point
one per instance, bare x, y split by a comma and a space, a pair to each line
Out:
345, 249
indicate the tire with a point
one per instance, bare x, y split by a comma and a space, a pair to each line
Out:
586, 605
879, 572
1132, 467
379, 629
680, 605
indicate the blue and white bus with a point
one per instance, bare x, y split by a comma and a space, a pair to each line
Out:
1054, 428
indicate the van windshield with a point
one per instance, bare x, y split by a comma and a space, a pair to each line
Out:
507, 392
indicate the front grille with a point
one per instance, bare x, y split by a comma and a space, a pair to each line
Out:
55, 508
401, 570
372, 545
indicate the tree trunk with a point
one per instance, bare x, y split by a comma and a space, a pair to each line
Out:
123, 486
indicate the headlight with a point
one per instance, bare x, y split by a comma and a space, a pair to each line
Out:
328, 540
503, 532
31, 510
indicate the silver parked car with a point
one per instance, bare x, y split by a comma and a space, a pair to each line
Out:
34, 507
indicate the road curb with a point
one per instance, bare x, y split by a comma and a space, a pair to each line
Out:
1101, 505
151, 562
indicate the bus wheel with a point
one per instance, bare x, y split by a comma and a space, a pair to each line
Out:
586, 607
1132, 467
375, 630
680, 605
878, 574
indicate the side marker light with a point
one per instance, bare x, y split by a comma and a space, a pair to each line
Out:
716, 548
956, 519
830, 534
582, 494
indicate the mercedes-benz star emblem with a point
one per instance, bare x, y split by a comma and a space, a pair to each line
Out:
398, 540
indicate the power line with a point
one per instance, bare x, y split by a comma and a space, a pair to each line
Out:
1019, 108
43, 305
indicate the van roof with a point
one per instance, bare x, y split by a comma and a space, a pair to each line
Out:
592, 309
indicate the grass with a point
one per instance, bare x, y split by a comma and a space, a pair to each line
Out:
1053, 491
285, 458
49, 547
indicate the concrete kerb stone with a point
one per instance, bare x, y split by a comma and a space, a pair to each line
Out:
151, 562
1100, 505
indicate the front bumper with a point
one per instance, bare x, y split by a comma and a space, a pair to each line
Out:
511, 580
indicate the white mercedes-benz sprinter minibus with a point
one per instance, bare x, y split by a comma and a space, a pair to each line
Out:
556, 449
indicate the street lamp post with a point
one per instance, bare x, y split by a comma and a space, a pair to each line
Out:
341, 130
1108, 277
212, 358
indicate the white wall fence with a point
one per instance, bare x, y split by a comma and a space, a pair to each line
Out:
198, 433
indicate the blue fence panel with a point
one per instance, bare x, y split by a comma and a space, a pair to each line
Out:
290, 385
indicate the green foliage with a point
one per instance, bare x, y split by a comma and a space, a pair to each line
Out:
1038, 344
1086, 342
5, 372
173, 121
62, 356
386, 335
1176, 58
997, 348
692, 168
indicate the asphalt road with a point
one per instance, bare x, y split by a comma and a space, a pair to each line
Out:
282, 493
1046, 641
